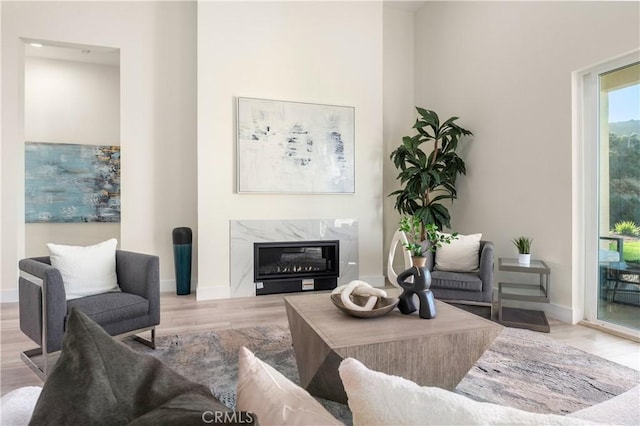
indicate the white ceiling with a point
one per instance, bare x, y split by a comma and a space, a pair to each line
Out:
73, 52
111, 56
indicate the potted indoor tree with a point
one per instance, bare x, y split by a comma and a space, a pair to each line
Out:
428, 176
418, 245
523, 244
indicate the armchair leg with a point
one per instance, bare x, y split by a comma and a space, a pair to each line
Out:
147, 342
28, 358
42, 368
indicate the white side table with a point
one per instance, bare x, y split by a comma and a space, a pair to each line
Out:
524, 318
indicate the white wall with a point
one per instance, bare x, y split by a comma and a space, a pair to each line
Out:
399, 112
158, 115
505, 69
70, 102
2, 202
319, 52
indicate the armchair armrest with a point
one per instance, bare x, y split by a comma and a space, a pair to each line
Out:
486, 269
42, 279
139, 274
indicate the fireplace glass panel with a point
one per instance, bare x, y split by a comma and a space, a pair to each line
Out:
278, 260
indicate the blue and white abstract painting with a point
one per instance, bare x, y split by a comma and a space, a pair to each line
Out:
70, 183
295, 147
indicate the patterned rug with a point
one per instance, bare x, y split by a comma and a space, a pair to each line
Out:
521, 368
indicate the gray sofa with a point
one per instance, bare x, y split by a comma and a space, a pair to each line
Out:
474, 288
41, 295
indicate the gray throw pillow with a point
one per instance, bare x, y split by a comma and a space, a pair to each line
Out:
99, 381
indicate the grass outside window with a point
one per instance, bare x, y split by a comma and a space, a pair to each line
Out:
631, 252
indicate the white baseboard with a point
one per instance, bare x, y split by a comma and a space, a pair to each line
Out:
167, 286
560, 313
212, 293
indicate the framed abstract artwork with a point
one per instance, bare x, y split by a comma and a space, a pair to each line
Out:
70, 183
295, 147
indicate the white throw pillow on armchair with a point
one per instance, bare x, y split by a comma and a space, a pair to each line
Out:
461, 255
86, 270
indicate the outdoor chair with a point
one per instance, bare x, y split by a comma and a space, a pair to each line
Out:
619, 280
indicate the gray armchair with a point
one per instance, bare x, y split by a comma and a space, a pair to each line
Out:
44, 308
466, 288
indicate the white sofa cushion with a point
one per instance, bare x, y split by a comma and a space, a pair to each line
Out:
17, 406
379, 399
86, 270
623, 409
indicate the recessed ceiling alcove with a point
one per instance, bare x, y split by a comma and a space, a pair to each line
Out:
71, 99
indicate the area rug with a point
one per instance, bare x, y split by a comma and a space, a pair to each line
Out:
521, 368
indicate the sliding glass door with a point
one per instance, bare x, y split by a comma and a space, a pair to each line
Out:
618, 157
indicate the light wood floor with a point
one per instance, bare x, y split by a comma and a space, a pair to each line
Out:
181, 314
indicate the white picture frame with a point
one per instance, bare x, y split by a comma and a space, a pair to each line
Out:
295, 147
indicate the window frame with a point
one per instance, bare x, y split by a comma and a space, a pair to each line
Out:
586, 166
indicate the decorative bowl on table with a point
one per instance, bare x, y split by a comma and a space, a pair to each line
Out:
383, 306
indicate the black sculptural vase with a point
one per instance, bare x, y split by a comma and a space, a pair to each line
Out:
419, 287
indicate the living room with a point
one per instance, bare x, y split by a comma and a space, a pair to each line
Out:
504, 68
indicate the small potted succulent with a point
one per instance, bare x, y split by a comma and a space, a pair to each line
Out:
412, 227
523, 244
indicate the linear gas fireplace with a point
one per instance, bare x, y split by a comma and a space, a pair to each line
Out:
285, 267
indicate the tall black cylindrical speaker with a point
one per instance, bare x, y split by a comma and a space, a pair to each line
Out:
182, 248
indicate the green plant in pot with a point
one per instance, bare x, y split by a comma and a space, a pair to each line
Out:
523, 244
429, 176
417, 245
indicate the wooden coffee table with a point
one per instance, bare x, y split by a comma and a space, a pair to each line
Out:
436, 352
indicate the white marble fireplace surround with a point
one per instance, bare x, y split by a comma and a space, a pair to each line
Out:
244, 233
